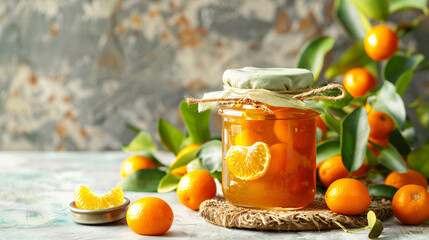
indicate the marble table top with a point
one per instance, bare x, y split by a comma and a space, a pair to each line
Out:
36, 188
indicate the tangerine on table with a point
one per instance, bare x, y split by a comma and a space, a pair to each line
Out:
380, 43
381, 124
195, 187
182, 170
134, 163
358, 81
86, 199
150, 216
347, 196
410, 204
333, 169
399, 180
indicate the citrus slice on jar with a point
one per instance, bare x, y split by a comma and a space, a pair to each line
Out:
86, 199
249, 163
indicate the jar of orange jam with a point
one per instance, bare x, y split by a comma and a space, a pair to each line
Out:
269, 160
269, 153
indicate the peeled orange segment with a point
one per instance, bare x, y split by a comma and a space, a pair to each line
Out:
249, 163
86, 199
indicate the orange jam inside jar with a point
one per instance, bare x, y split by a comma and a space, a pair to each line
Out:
269, 159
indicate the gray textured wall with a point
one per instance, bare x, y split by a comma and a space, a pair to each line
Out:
73, 72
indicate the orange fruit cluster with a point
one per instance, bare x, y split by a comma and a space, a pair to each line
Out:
150, 216
410, 204
195, 187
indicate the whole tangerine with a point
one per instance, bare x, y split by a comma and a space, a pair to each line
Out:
410, 204
380, 43
150, 216
195, 187
398, 180
381, 124
347, 196
358, 81
134, 163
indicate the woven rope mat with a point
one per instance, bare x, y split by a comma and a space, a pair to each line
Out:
316, 216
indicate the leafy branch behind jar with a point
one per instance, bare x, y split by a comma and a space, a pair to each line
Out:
370, 127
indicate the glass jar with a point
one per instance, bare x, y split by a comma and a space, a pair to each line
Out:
282, 142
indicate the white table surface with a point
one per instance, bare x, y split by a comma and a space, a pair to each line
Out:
36, 188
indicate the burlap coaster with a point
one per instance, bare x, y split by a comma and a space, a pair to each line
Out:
316, 216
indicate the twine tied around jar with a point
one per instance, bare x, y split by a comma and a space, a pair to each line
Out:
298, 94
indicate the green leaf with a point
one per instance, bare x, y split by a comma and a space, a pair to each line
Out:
382, 190
354, 136
141, 142
196, 122
375, 225
400, 5
390, 102
195, 164
422, 111
378, 10
371, 217
392, 159
313, 54
143, 180
185, 159
217, 175
371, 159
332, 122
399, 142
132, 128
410, 134
168, 183
327, 149
211, 155
376, 230
319, 134
399, 70
351, 20
170, 136
354, 57
418, 159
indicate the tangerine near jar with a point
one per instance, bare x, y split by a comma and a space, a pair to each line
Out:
282, 172
268, 135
